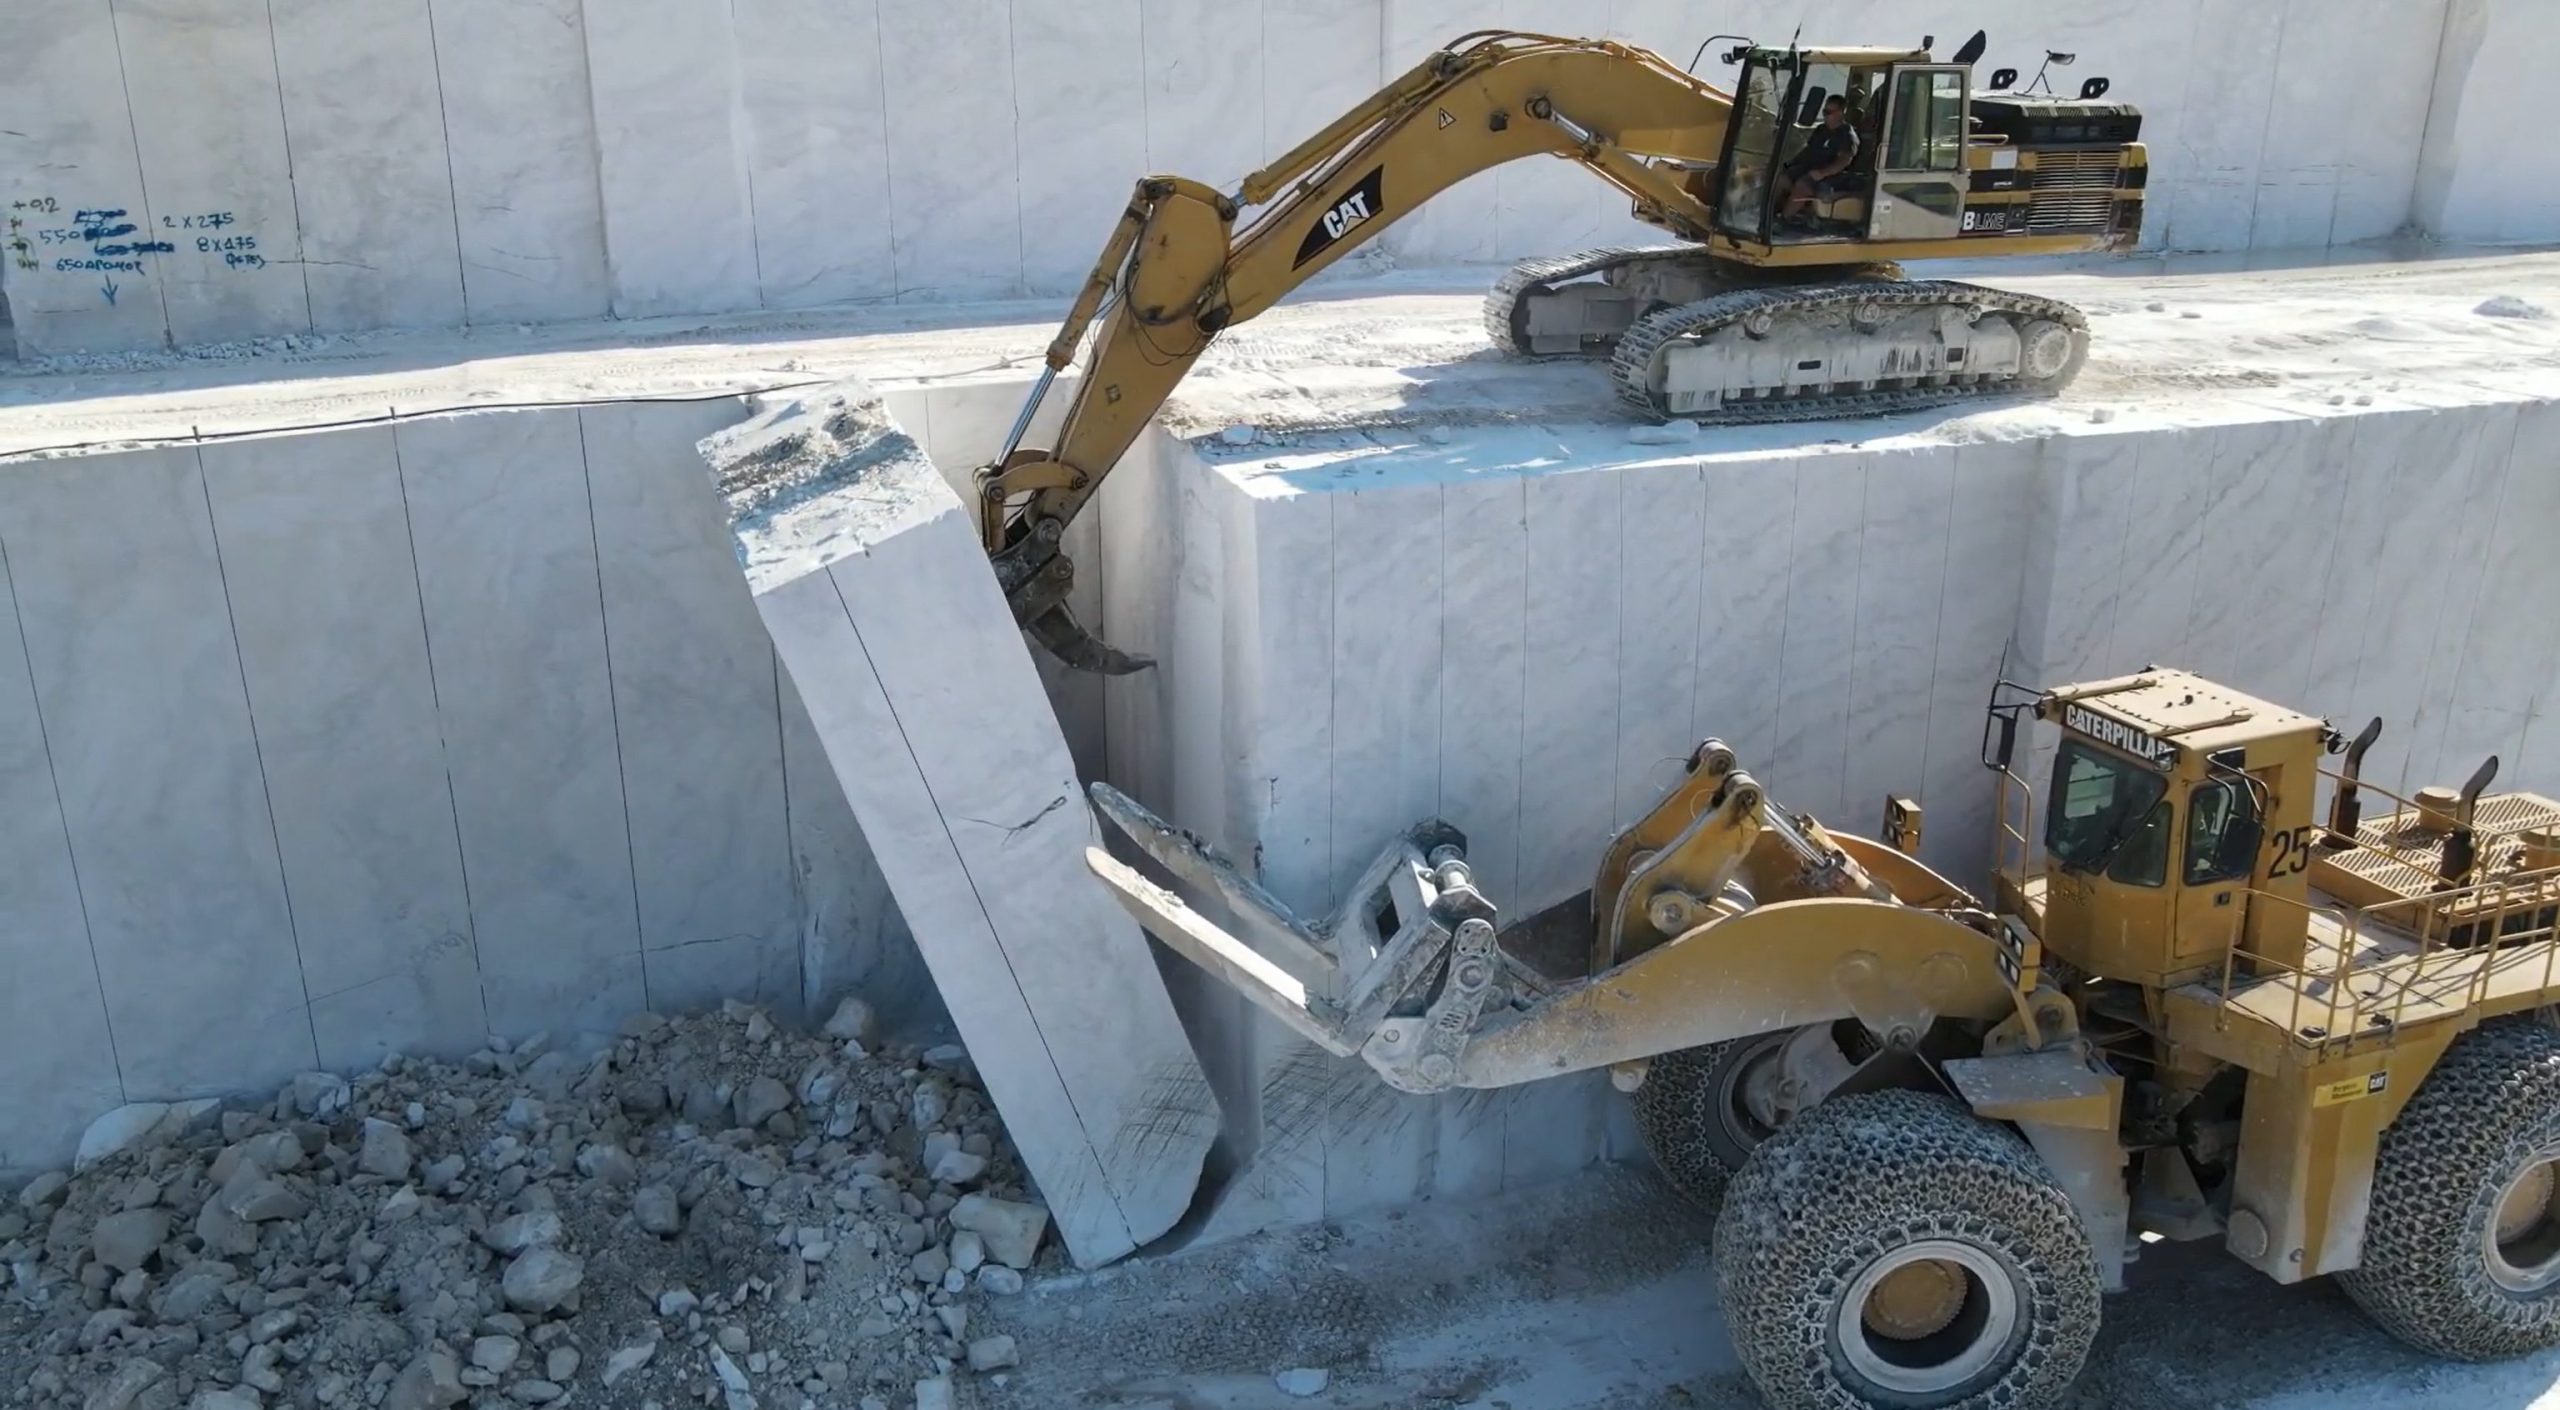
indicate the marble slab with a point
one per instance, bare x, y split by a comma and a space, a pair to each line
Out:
868, 575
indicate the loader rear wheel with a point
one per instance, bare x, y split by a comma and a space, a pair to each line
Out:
1694, 1117
2462, 1238
1891, 1251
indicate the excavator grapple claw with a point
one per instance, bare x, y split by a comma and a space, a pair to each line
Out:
1064, 637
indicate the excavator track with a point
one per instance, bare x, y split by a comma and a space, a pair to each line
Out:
1827, 317
1653, 277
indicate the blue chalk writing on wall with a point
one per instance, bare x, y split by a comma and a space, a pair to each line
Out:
100, 240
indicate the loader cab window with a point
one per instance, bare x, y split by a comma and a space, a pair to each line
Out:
2222, 833
2107, 814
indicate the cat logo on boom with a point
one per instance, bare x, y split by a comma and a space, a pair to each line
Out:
1356, 208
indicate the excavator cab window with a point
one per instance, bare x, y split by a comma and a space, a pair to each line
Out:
1751, 148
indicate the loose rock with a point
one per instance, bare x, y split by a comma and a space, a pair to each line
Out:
542, 1279
1011, 1228
386, 1150
126, 1241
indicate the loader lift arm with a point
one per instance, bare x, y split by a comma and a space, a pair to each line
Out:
1176, 272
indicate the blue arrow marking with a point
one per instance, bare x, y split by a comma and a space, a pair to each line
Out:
109, 289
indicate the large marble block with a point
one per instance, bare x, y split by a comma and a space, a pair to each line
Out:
868, 574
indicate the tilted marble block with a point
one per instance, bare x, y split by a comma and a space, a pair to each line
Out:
869, 576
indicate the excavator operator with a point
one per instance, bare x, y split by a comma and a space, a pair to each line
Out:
1821, 166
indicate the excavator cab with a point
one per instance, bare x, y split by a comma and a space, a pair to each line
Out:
1908, 180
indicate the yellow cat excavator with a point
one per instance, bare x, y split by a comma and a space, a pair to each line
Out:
1770, 308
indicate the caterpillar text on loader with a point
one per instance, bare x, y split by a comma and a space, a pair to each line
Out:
1936, 1123
1753, 317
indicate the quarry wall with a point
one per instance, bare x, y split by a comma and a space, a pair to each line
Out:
387, 738
180, 172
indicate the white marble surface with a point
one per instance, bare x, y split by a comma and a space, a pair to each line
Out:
201, 78
1901, 572
2476, 181
66, 140
694, 710
789, 153
666, 85
1484, 674
138, 681
1568, 749
1742, 604
1978, 613
2506, 664
1662, 524
506, 552
2268, 516
2383, 125
1082, 142
815, 114
522, 141
1203, 93
349, 743
1390, 551
372, 187
1806, 763
2226, 76
59, 1057
955, 214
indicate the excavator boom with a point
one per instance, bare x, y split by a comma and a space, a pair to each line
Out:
1176, 272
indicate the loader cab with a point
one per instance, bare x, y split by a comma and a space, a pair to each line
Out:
2177, 824
1910, 114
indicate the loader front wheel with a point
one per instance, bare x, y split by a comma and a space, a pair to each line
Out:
1890, 1250
2462, 1238
1695, 1114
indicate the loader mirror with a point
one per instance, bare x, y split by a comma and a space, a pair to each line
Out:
2002, 80
1973, 48
2007, 747
1814, 97
2094, 88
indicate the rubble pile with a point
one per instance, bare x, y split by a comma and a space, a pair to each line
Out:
710, 1211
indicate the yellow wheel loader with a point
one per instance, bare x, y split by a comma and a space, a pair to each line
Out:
1772, 307
1937, 1124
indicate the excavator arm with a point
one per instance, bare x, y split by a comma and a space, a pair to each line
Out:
1176, 272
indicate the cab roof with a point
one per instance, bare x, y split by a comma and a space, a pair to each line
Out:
2187, 709
1856, 58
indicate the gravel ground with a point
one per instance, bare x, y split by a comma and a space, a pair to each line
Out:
709, 1211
